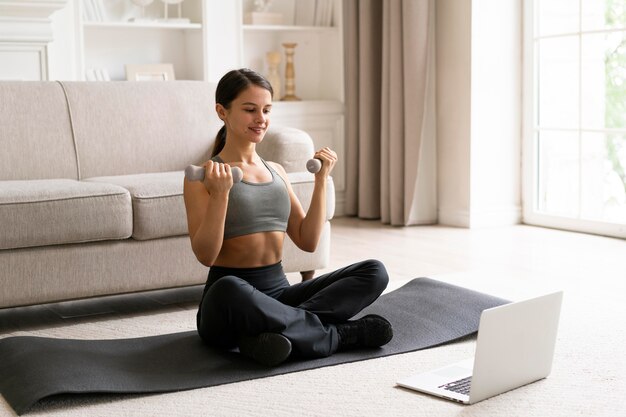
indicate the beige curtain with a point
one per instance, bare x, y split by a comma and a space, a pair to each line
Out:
390, 110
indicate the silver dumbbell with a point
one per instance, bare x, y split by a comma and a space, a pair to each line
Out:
196, 173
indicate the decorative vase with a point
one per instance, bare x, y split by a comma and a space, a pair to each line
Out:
290, 73
142, 4
262, 5
273, 61
178, 19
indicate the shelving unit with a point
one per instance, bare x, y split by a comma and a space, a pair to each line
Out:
115, 41
319, 70
318, 56
318, 76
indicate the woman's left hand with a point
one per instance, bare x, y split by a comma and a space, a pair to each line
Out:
328, 158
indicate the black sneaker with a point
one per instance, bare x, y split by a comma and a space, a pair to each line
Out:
269, 349
368, 331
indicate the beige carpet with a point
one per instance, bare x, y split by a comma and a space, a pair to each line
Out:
588, 377
589, 362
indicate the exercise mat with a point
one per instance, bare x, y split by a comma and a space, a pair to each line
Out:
424, 313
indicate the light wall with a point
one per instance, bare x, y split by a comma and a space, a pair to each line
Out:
479, 50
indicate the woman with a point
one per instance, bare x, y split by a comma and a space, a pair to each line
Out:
238, 231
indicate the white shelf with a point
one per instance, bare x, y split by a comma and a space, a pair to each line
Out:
118, 40
318, 65
289, 28
306, 106
141, 25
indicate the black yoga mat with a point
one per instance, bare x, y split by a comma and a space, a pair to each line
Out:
424, 313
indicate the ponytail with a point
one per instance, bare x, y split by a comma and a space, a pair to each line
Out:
220, 141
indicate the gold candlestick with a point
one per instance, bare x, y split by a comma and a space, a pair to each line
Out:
290, 73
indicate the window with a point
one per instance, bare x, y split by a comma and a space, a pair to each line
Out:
575, 115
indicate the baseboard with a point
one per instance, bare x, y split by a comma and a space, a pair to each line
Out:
340, 211
476, 219
454, 217
496, 217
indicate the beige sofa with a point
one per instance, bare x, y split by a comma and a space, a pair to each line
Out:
91, 181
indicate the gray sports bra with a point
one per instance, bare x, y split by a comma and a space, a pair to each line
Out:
257, 207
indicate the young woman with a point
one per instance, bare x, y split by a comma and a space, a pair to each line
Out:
238, 231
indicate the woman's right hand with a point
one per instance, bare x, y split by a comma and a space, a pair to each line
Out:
218, 177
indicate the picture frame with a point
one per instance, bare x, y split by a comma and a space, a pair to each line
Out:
150, 72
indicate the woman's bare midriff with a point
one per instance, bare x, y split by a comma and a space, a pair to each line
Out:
253, 250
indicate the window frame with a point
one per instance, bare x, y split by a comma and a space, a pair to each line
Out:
530, 155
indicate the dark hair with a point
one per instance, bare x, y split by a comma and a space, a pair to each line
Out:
229, 87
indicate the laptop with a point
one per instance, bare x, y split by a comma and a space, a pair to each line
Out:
515, 347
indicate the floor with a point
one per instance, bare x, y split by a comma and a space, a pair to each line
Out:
510, 262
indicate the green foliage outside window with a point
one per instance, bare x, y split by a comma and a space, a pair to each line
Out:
615, 71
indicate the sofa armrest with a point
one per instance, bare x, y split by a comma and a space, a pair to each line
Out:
303, 185
288, 146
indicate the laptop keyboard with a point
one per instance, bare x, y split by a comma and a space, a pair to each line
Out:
462, 386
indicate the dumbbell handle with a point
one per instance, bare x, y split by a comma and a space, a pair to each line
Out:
196, 173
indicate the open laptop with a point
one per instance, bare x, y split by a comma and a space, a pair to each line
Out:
515, 347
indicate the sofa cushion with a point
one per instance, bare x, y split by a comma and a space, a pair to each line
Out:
50, 212
149, 126
158, 205
35, 132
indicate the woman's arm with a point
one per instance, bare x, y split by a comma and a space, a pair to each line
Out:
305, 230
206, 204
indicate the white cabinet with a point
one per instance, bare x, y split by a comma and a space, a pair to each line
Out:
24, 62
26, 31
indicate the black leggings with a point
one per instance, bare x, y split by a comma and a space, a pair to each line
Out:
250, 301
